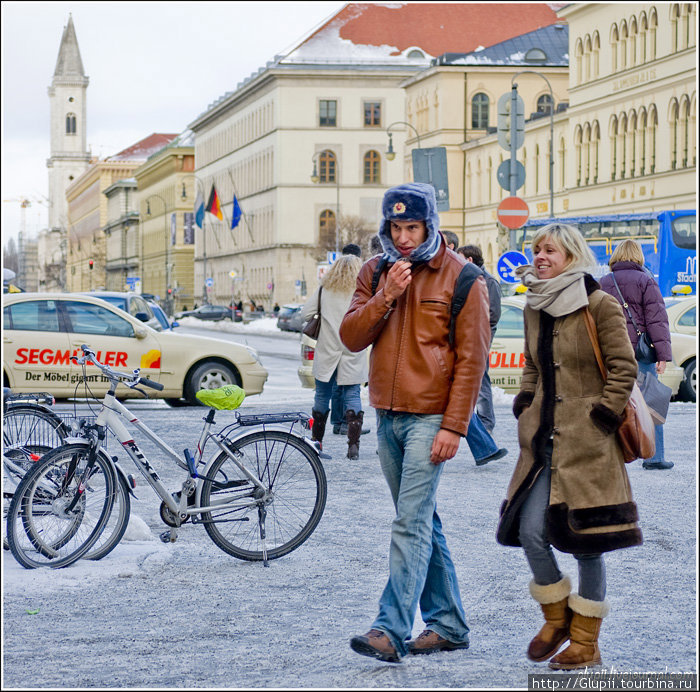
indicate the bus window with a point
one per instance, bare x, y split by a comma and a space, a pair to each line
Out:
683, 229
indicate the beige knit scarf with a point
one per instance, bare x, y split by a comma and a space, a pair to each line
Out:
558, 296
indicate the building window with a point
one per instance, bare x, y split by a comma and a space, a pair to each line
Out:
480, 111
70, 124
327, 167
371, 167
328, 113
545, 104
373, 114
326, 229
614, 38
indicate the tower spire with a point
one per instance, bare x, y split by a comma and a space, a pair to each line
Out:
69, 63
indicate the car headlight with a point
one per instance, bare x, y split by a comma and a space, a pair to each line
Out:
253, 353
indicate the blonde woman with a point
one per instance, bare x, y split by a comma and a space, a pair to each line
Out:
630, 283
333, 363
570, 488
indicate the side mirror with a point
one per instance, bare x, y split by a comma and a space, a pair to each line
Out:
142, 316
174, 324
140, 333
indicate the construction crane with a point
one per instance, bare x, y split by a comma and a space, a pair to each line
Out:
24, 202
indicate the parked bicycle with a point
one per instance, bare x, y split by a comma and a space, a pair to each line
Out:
259, 497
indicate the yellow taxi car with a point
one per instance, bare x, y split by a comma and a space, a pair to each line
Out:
41, 331
507, 358
682, 320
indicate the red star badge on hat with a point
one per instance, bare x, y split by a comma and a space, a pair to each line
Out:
399, 208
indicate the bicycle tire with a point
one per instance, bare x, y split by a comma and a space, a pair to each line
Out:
291, 470
115, 528
28, 429
39, 531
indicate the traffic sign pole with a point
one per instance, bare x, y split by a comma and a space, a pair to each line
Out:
513, 137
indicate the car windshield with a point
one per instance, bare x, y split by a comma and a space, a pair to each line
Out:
117, 301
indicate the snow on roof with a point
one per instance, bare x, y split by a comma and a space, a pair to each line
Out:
143, 148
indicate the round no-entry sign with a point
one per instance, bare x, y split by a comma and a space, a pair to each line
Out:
513, 212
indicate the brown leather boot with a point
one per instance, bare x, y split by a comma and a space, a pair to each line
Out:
554, 601
354, 421
318, 429
375, 644
584, 629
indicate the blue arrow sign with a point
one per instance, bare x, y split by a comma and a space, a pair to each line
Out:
508, 262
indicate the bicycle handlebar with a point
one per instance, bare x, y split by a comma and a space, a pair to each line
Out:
129, 379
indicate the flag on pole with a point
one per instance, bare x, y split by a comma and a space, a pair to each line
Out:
213, 206
236, 213
199, 210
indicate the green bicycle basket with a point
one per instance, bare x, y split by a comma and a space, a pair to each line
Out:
225, 398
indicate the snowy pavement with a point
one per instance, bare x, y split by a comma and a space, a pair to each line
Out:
188, 615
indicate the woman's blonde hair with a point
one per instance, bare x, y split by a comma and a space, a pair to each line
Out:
627, 251
568, 239
342, 276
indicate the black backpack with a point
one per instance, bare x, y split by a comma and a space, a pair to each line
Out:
467, 276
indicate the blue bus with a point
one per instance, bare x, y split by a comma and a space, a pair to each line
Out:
668, 239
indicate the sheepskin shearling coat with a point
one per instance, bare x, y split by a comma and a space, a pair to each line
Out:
331, 354
563, 397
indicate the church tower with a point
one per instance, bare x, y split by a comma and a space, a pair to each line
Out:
69, 153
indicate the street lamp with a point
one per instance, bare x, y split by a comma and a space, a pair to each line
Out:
316, 179
168, 307
551, 136
390, 153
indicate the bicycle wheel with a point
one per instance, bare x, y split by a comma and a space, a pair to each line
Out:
61, 507
295, 482
116, 524
29, 431
26, 425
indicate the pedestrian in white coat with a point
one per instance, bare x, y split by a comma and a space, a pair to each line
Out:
333, 363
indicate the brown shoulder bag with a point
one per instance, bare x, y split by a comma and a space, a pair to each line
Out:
636, 432
312, 328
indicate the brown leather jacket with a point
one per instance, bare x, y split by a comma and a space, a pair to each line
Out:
413, 368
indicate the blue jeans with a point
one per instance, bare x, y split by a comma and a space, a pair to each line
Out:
420, 565
349, 394
481, 444
484, 404
538, 551
658, 429
337, 406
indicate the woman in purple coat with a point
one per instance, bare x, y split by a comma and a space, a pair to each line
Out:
630, 283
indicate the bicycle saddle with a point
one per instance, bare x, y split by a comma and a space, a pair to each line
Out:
225, 398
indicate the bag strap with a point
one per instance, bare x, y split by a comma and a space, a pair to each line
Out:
318, 309
625, 305
467, 276
593, 336
378, 272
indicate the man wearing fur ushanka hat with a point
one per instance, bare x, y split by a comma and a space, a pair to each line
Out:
424, 387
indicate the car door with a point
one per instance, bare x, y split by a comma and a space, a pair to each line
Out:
507, 356
36, 351
115, 340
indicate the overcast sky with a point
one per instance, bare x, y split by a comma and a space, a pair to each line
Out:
186, 53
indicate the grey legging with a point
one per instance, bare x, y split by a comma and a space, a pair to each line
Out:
591, 568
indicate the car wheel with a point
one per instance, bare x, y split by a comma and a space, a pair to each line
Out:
689, 386
208, 375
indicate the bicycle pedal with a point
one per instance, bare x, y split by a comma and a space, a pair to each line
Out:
168, 536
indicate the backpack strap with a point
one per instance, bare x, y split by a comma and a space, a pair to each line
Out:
467, 276
378, 272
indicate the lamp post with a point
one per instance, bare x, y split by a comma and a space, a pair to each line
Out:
167, 249
551, 136
316, 179
390, 153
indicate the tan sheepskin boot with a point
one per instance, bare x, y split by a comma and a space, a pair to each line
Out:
554, 601
584, 629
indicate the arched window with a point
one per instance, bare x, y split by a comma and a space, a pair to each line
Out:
578, 52
675, 27
545, 104
622, 140
643, 28
596, 55
327, 166
614, 38
596, 148
653, 24
653, 127
326, 229
71, 124
562, 163
632, 130
612, 132
586, 154
673, 123
633, 41
480, 111
578, 141
623, 45
587, 50
371, 167
684, 122
642, 129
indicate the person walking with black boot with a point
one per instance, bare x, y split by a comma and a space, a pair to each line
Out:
334, 365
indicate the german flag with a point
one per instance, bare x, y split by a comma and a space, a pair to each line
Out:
213, 206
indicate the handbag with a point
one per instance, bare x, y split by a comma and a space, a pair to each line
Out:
636, 432
313, 325
644, 351
656, 394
